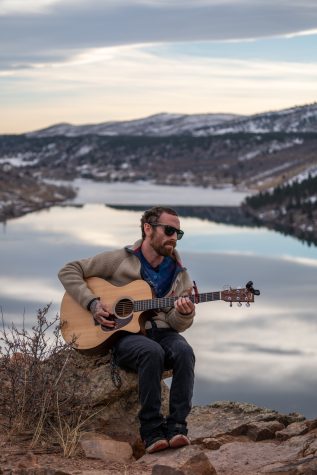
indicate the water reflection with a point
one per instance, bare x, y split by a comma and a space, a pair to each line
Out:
141, 192
264, 354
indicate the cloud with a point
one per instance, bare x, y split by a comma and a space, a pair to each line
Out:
293, 394
256, 348
20, 7
117, 59
29, 288
55, 29
132, 81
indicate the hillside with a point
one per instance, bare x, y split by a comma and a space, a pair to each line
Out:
21, 193
294, 119
257, 153
157, 125
249, 161
290, 208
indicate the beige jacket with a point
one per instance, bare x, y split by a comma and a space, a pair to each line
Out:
120, 267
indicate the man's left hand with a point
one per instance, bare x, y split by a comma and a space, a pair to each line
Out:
184, 305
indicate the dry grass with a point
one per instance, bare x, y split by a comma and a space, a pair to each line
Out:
68, 433
37, 396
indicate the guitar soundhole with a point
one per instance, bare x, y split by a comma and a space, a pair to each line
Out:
124, 308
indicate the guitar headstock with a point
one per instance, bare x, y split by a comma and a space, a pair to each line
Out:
240, 295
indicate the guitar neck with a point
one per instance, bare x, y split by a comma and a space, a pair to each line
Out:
153, 304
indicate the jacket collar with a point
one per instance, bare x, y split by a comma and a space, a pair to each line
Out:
134, 248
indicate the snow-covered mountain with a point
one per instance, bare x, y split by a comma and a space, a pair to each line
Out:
155, 125
295, 119
201, 150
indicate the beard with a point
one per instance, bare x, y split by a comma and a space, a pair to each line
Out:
165, 249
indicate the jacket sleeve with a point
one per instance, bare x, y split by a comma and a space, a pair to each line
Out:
176, 320
73, 274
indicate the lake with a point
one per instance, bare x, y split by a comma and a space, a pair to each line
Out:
265, 354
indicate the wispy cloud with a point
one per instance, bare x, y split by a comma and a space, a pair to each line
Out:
115, 82
30, 288
21, 7
123, 59
73, 25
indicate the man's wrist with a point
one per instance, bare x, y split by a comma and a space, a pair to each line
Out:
185, 314
92, 304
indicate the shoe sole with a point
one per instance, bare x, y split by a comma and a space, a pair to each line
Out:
157, 446
178, 441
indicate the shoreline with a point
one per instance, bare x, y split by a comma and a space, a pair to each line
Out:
222, 205
18, 201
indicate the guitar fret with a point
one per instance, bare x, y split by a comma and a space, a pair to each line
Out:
152, 304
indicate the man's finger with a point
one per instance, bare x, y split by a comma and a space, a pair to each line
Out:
104, 321
103, 313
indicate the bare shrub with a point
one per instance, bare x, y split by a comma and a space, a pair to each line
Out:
38, 394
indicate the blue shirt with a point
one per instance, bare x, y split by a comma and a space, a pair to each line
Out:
161, 277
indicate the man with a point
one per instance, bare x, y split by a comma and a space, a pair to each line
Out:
155, 260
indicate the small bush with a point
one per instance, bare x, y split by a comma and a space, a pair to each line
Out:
37, 395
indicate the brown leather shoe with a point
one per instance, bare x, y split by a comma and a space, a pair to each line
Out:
179, 440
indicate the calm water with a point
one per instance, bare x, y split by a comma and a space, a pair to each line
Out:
265, 354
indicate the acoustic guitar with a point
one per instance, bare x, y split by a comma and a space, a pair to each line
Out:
130, 306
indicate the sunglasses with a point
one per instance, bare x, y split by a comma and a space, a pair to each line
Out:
169, 230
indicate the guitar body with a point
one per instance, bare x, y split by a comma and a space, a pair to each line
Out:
79, 328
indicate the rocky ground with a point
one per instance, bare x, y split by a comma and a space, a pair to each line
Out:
228, 438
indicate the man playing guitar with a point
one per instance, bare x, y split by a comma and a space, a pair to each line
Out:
155, 260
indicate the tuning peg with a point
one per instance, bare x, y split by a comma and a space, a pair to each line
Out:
249, 286
239, 304
230, 304
247, 304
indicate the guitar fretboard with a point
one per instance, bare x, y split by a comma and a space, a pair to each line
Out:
152, 304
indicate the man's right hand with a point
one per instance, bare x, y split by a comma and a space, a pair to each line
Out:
101, 314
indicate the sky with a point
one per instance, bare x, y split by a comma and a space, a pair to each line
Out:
106, 60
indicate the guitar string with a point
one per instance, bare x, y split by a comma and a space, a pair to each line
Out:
169, 300
125, 307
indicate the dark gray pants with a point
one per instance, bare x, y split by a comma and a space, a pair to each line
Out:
149, 356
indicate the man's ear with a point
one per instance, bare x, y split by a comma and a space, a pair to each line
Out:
147, 228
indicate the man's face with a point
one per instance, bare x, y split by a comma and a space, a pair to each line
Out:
162, 244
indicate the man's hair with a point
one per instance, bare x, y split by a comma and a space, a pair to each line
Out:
152, 216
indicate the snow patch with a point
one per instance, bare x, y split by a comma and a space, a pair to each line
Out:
21, 160
84, 150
